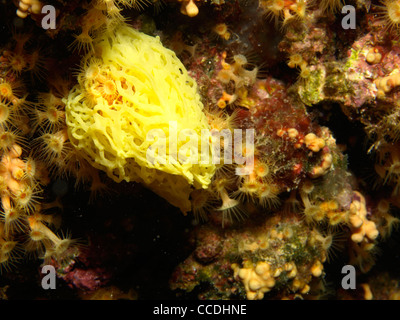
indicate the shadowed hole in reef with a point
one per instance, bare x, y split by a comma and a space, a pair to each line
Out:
141, 238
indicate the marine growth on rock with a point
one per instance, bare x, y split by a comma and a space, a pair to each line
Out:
188, 149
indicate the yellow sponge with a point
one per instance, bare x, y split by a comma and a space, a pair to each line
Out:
125, 94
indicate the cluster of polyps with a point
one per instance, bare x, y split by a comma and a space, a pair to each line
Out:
286, 10
26, 7
21, 175
21, 210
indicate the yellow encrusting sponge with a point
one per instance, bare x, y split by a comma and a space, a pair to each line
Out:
125, 94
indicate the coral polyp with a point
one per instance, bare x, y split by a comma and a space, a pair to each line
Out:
390, 13
331, 5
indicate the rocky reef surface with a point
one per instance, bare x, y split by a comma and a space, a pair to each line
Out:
301, 103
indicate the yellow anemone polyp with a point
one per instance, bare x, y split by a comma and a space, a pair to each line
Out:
138, 89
